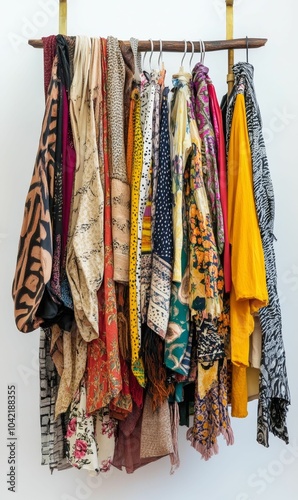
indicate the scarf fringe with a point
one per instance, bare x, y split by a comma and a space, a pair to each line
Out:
206, 453
174, 457
152, 351
228, 434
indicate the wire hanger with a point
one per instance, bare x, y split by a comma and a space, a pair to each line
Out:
192, 53
183, 57
246, 49
143, 60
150, 58
160, 57
203, 52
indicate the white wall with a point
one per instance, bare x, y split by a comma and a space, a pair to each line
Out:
245, 471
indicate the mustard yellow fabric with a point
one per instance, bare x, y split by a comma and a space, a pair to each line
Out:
134, 272
249, 290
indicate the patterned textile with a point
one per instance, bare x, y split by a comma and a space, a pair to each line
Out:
49, 52
156, 130
134, 271
57, 207
274, 390
149, 213
158, 309
176, 339
130, 140
181, 148
211, 410
120, 191
128, 58
156, 437
200, 99
80, 436
85, 246
137, 59
124, 261
105, 432
104, 381
148, 90
205, 295
53, 444
35, 252
73, 352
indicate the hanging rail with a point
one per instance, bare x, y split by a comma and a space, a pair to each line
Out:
179, 46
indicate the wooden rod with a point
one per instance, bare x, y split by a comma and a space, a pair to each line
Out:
178, 46
63, 17
229, 36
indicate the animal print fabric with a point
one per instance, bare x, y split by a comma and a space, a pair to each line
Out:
120, 191
35, 252
274, 390
134, 271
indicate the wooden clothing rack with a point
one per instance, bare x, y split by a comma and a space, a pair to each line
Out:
229, 44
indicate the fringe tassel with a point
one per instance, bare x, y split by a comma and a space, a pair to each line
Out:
206, 453
228, 435
152, 352
174, 457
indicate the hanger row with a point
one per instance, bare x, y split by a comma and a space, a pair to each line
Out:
179, 46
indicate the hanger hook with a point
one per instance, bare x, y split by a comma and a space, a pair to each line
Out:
185, 50
143, 62
246, 49
202, 50
160, 57
150, 58
192, 53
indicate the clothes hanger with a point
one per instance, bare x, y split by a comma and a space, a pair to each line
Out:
203, 51
246, 49
181, 71
150, 58
143, 61
192, 53
161, 67
160, 57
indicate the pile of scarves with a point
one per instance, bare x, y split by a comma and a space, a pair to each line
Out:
152, 282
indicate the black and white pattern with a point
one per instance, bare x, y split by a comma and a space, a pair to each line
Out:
274, 390
53, 445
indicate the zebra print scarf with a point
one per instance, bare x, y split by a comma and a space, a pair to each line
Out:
274, 390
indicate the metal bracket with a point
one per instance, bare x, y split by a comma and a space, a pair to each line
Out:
63, 17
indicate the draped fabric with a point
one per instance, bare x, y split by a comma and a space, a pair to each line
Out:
134, 270
218, 127
200, 99
274, 390
119, 186
162, 233
35, 253
143, 270
85, 254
